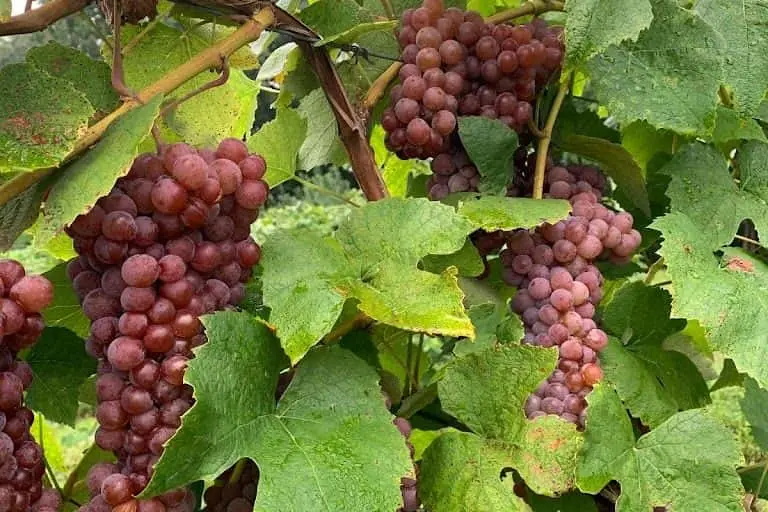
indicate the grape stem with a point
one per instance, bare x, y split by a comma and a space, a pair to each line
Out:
238, 471
359, 321
380, 85
206, 59
38, 19
223, 68
546, 138
533, 7
387, 5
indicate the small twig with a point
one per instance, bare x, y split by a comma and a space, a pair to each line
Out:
220, 80
762, 480
28, 6
653, 270
238, 471
543, 147
359, 321
534, 7
408, 369
380, 85
325, 191
272, 90
42, 17
418, 363
535, 129
725, 97
663, 283
748, 240
48, 468
387, 5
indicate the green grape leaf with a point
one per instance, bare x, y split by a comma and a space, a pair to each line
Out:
729, 377
686, 463
276, 62
491, 145
644, 142
486, 318
594, 25
88, 76
507, 213
577, 118
669, 77
330, 435
357, 74
373, 258
742, 26
60, 365
65, 310
701, 187
513, 372
755, 405
224, 111
753, 163
20, 213
322, 144
615, 161
41, 117
81, 184
472, 466
332, 17
396, 172
467, 261
730, 128
725, 295
353, 34
278, 141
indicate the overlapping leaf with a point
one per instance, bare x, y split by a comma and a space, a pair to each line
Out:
322, 144
279, 141
492, 213
502, 434
687, 463
669, 77
20, 213
60, 366
653, 382
65, 310
374, 257
329, 444
491, 145
742, 26
41, 117
594, 25
92, 176
225, 111
755, 407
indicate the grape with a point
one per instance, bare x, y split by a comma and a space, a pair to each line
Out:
232, 149
33, 293
191, 171
539, 288
140, 270
251, 194
125, 353
168, 196
230, 175
137, 299
174, 151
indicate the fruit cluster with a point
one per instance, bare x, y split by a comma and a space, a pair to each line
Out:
22, 298
235, 490
170, 243
559, 287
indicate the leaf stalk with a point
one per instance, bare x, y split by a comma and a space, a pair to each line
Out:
546, 139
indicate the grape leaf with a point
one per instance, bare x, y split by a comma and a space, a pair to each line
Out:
276, 61
726, 296
742, 26
669, 77
615, 161
729, 377
486, 317
513, 372
60, 365
81, 184
755, 404
472, 466
41, 117
331, 17
753, 163
330, 435
65, 310
20, 213
572, 501
702, 188
353, 34
594, 25
644, 142
653, 382
88, 76
225, 111
507, 213
278, 141
686, 463
322, 144
491, 145
374, 259
731, 128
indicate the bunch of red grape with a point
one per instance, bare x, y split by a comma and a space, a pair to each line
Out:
559, 287
233, 493
170, 243
22, 298
458, 65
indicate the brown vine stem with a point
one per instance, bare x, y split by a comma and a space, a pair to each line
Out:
544, 141
208, 58
380, 85
40, 18
533, 7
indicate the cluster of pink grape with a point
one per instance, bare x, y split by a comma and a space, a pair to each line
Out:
22, 298
559, 287
458, 65
170, 243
